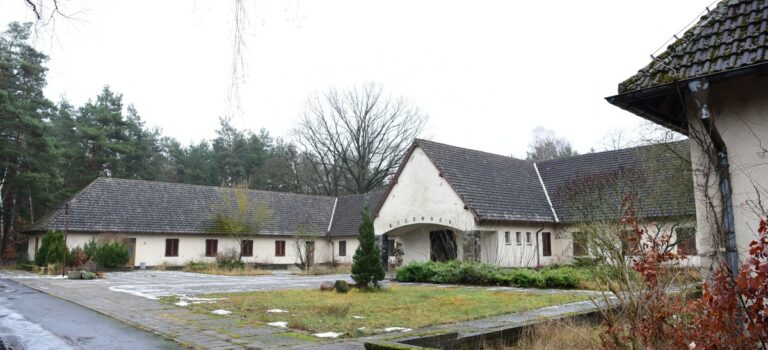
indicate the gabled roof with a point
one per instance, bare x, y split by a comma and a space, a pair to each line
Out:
347, 215
497, 188
136, 206
728, 42
494, 187
592, 186
730, 36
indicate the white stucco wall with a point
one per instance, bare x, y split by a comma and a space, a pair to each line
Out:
740, 111
150, 249
421, 196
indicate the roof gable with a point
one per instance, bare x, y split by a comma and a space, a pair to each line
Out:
494, 187
729, 37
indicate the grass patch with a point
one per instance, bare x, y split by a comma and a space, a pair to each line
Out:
398, 306
554, 335
215, 269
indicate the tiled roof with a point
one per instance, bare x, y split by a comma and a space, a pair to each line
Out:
494, 187
347, 216
592, 186
118, 205
730, 36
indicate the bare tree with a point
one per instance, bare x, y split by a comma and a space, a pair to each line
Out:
546, 145
355, 139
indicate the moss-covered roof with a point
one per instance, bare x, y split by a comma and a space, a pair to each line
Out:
730, 36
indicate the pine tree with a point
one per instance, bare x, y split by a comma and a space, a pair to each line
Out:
366, 264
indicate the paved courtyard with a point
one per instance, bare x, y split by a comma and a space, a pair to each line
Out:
132, 298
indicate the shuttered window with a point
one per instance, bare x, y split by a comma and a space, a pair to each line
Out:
279, 248
172, 247
211, 247
247, 248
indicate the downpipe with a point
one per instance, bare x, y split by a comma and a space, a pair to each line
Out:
700, 93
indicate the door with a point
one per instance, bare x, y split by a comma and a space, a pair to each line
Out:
131, 243
442, 245
310, 249
546, 244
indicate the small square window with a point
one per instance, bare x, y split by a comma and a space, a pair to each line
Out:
507, 238
528, 238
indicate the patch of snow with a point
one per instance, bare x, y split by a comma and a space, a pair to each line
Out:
361, 329
126, 289
221, 312
181, 303
15, 328
277, 311
328, 335
397, 329
280, 324
196, 300
358, 317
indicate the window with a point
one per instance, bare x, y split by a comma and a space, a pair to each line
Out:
528, 238
172, 247
279, 248
518, 239
211, 247
629, 243
507, 238
546, 244
686, 240
247, 248
580, 247
342, 248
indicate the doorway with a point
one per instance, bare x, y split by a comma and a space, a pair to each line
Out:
131, 243
310, 251
442, 245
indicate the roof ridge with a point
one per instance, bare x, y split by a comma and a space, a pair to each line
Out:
417, 141
613, 151
181, 184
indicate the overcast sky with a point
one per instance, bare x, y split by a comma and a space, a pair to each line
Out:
487, 73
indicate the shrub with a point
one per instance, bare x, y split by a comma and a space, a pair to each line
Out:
76, 257
52, 249
112, 254
195, 266
231, 264
525, 278
467, 272
564, 278
90, 248
416, 272
585, 261
341, 286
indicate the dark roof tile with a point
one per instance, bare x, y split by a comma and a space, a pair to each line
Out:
731, 36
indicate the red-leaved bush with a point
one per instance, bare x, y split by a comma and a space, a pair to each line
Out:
731, 314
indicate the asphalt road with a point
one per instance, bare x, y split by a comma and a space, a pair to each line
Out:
33, 320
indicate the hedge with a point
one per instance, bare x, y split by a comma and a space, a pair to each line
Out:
473, 273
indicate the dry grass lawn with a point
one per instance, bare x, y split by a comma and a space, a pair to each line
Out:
557, 335
359, 313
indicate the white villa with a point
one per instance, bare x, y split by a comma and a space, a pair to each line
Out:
444, 202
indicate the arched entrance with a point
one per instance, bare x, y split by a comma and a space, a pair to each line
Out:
442, 245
